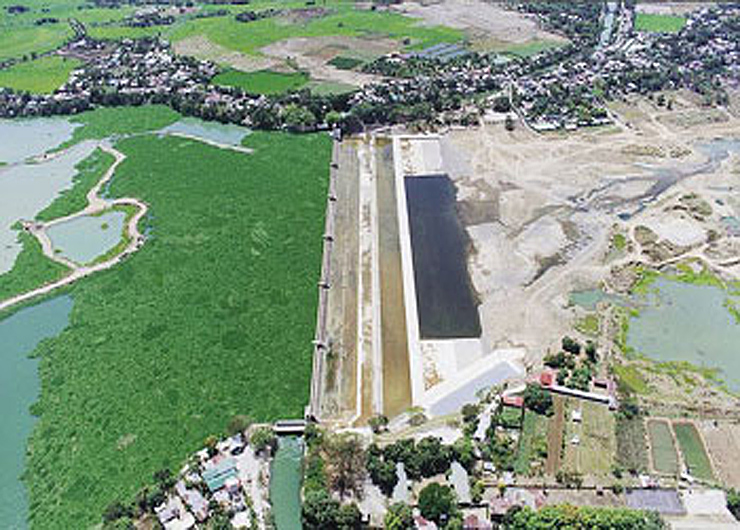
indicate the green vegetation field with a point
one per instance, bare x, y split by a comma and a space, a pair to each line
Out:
659, 23
532, 448
212, 318
30, 270
263, 81
694, 455
665, 458
632, 452
40, 76
342, 19
112, 121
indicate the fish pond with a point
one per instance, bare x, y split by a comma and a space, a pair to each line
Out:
19, 388
446, 303
680, 321
85, 238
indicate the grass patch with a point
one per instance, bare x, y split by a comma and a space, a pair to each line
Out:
594, 454
31, 269
588, 325
692, 450
509, 417
659, 23
41, 76
631, 379
665, 458
345, 63
213, 317
115, 121
530, 48
262, 82
619, 241
326, 88
89, 173
23, 39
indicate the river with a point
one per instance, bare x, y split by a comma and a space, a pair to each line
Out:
19, 388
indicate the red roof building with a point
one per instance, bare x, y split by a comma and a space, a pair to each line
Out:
547, 378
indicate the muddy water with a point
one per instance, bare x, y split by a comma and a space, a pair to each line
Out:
19, 388
27, 188
396, 370
445, 300
20, 139
226, 134
685, 322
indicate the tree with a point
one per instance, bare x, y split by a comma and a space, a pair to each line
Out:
571, 345
509, 123
345, 464
566, 516
591, 352
116, 510
349, 517
399, 516
264, 440
378, 423
298, 118
733, 502
433, 457
238, 424
470, 412
438, 503
538, 399
501, 104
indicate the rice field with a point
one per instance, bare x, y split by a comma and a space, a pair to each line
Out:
662, 448
692, 449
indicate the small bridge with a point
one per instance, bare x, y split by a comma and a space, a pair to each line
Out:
289, 427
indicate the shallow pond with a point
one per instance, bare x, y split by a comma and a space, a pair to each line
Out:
26, 189
285, 483
20, 139
85, 238
589, 298
686, 322
19, 388
444, 294
227, 134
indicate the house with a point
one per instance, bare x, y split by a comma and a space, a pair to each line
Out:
513, 401
217, 475
547, 379
422, 524
473, 522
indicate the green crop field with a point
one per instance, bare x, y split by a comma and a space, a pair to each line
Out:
40, 76
262, 82
212, 318
532, 448
665, 458
341, 19
659, 23
694, 455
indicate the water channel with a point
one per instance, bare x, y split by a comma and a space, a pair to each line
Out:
19, 388
446, 303
85, 238
285, 483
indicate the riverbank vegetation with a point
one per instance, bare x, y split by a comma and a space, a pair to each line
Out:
212, 317
31, 269
74, 199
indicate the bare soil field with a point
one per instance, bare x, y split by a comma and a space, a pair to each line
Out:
722, 439
541, 209
670, 8
201, 47
482, 21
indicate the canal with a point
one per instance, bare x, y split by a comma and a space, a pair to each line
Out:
285, 483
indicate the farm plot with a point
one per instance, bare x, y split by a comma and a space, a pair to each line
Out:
632, 451
662, 448
723, 443
659, 23
532, 450
590, 444
555, 436
693, 452
41, 76
262, 81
